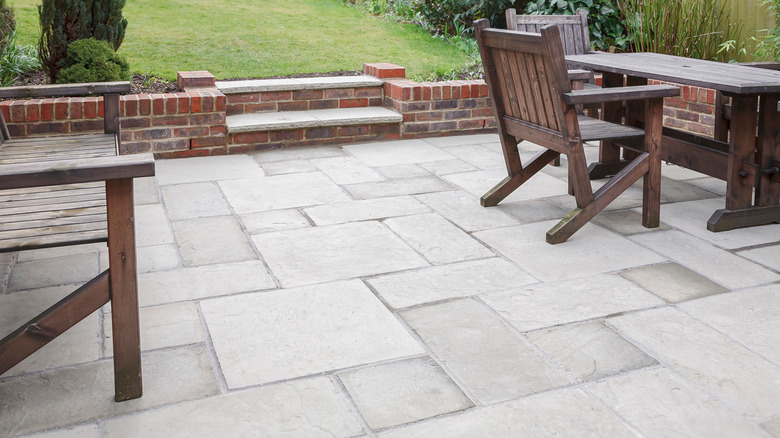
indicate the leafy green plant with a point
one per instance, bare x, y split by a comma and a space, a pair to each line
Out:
16, 59
694, 29
442, 16
605, 23
91, 60
768, 46
65, 21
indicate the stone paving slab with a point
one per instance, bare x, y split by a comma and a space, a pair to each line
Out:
493, 363
658, 402
336, 252
310, 330
403, 392
568, 413
709, 359
368, 209
311, 408
280, 192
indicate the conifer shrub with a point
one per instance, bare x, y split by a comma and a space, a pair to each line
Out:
65, 21
92, 60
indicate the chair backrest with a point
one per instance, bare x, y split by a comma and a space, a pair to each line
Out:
526, 75
575, 36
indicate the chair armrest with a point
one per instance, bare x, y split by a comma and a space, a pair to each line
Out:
580, 75
51, 173
65, 90
614, 94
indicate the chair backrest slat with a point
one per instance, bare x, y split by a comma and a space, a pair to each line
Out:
575, 36
526, 74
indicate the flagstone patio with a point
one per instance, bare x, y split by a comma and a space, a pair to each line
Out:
361, 291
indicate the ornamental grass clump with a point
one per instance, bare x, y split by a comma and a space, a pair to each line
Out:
693, 29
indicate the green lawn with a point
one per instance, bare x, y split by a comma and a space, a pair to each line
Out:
257, 38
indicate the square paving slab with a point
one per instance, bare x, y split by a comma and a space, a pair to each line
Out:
300, 332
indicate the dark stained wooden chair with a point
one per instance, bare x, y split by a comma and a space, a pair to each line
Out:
575, 36
70, 190
532, 97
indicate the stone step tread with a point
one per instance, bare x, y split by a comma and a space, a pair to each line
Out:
285, 120
295, 84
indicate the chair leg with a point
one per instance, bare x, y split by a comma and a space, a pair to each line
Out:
603, 196
512, 182
124, 289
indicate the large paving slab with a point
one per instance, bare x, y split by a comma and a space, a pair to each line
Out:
673, 282
567, 413
346, 170
406, 289
658, 402
436, 239
202, 282
151, 226
590, 351
553, 303
321, 254
83, 393
392, 153
273, 220
187, 201
591, 250
310, 408
397, 187
491, 361
368, 209
403, 392
719, 265
54, 271
281, 191
187, 170
463, 210
299, 332
749, 316
163, 326
709, 359
200, 245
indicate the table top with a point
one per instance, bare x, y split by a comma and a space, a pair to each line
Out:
727, 77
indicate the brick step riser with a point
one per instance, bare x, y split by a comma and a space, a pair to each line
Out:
303, 100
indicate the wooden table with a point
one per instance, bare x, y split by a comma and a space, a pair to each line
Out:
751, 159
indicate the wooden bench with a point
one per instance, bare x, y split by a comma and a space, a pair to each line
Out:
69, 190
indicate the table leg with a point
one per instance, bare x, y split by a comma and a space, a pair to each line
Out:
609, 154
768, 152
743, 172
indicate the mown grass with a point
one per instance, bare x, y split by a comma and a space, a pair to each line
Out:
258, 38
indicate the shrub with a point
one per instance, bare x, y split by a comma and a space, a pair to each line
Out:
698, 29
7, 24
606, 26
445, 16
16, 60
65, 21
91, 60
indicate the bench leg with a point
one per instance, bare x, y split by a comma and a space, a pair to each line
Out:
124, 289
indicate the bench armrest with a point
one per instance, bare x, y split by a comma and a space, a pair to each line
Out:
615, 94
51, 173
65, 90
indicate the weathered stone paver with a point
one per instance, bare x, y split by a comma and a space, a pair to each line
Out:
309, 330
492, 362
403, 391
363, 292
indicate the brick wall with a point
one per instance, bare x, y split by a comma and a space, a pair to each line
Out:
693, 110
170, 124
302, 100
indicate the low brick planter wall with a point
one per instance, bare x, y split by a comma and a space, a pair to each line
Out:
170, 124
192, 123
